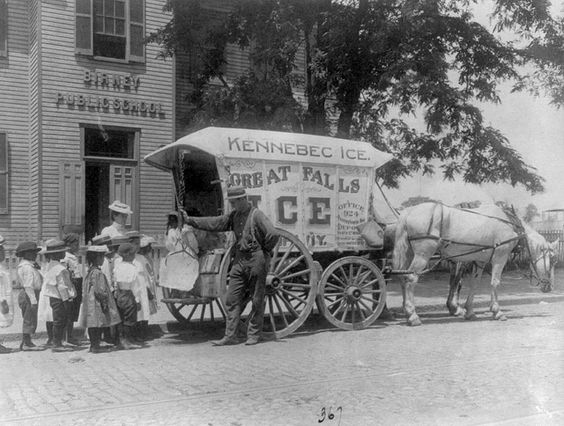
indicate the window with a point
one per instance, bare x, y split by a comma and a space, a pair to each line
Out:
3, 29
113, 29
109, 143
3, 173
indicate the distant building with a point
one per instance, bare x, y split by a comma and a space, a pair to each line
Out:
551, 219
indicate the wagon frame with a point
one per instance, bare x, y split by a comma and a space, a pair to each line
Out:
316, 190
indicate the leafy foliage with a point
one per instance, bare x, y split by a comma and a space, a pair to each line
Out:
371, 67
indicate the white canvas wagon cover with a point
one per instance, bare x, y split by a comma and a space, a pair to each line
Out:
316, 187
268, 145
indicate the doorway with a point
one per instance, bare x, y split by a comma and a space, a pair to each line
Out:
110, 174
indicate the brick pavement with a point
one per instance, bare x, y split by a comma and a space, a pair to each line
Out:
446, 372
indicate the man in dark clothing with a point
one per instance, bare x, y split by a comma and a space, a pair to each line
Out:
255, 238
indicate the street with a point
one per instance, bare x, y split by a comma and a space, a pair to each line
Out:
448, 371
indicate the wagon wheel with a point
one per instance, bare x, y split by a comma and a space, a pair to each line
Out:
184, 307
290, 286
351, 293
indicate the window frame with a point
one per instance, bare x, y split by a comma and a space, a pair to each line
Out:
5, 173
85, 40
4, 28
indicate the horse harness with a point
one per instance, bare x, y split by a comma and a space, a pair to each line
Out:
512, 220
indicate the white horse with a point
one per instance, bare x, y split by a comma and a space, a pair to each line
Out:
481, 236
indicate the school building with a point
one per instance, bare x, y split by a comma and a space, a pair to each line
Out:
82, 100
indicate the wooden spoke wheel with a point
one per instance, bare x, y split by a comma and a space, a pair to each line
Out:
185, 307
291, 286
351, 293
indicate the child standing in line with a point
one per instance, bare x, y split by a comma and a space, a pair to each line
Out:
99, 308
31, 280
71, 262
6, 301
59, 288
127, 294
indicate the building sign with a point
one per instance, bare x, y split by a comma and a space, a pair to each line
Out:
112, 102
322, 204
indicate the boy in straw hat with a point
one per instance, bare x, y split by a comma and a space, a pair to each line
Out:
30, 279
99, 308
59, 288
6, 302
119, 212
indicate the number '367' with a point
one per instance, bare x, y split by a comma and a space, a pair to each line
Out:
328, 414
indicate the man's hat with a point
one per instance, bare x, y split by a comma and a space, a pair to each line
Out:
54, 246
173, 213
100, 240
146, 240
236, 192
126, 249
118, 206
133, 234
97, 249
120, 239
25, 247
2, 240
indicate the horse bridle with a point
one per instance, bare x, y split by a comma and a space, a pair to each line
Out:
544, 283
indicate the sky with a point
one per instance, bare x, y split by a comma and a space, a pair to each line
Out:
533, 127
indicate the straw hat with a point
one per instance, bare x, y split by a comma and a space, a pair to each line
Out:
2, 240
236, 192
97, 249
118, 206
120, 239
100, 240
27, 246
133, 234
54, 246
146, 240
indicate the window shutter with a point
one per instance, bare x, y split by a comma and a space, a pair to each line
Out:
3, 28
3, 174
137, 30
84, 33
71, 187
122, 188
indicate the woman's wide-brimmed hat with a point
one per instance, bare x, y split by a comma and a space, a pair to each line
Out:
236, 192
26, 247
118, 206
133, 234
54, 246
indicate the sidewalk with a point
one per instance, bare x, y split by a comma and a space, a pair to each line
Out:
430, 295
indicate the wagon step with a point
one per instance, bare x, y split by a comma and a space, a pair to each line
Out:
188, 300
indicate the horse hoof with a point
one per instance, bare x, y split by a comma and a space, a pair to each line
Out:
500, 317
471, 317
414, 322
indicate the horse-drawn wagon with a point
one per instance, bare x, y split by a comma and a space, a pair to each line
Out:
317, 191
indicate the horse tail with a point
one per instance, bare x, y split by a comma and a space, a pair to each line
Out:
403, 253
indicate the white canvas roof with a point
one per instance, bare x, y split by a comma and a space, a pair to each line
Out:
268, 145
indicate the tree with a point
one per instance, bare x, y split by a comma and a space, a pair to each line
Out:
373, 64
531, 211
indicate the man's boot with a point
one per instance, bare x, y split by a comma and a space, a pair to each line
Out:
94, 336
58, 341
49, 326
